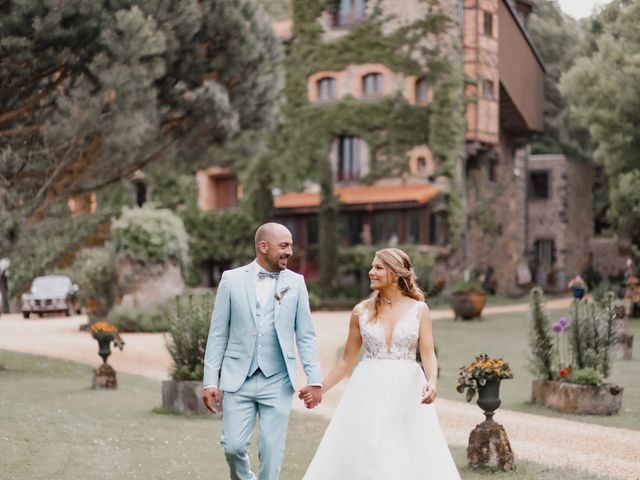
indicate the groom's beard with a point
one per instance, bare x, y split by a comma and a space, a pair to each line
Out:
274, 262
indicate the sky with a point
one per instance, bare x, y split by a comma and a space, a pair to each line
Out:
580, 8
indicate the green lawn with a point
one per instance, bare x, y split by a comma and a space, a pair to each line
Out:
507, 336
54, 427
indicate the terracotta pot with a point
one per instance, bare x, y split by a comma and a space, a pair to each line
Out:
468, 305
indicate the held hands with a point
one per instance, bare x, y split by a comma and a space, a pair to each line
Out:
311, 396
211, 398
428, 393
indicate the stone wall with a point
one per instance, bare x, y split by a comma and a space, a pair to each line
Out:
498, 239
566, 217
609, 255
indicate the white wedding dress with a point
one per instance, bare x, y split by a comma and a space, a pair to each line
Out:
380, 430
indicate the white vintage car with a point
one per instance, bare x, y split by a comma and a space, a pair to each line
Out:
51, 293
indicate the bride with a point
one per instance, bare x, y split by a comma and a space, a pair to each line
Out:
385, 427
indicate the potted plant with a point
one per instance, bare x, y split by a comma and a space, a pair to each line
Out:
105, 333
483, 376
578, 287
467, 299
572, 357
188, 332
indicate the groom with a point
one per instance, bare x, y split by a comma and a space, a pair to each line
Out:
249, 365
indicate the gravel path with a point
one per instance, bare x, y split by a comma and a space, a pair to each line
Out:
605, 451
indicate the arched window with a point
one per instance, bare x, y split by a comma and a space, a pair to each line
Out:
348, 12
327, 88
372, 85
422, 91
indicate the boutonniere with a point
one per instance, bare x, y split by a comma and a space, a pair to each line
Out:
278, 296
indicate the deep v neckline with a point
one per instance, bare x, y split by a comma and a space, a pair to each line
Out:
389, 344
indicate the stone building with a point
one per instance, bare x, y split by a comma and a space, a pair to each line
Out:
503, 89
560, 225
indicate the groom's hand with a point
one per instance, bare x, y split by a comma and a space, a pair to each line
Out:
211, 399
311, 396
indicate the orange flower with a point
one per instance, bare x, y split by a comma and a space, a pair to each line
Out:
103, 327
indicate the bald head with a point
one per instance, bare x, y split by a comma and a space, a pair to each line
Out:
274, 246
269, 231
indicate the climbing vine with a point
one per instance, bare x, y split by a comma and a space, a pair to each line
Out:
390, 126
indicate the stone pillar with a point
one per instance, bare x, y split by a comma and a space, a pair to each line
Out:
489, 447
104, 377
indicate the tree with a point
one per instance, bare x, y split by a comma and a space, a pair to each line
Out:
91, 91
603, 89
560, 40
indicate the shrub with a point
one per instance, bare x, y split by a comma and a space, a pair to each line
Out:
155, 318
150, 236
585, 376
93, 271
592, 334
219, 236
466, 286
540, 338
189, 329
32, 256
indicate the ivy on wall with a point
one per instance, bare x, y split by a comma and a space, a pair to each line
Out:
390, 126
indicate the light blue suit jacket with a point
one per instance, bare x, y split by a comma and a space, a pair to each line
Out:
232, 335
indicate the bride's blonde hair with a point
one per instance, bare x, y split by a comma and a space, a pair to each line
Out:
398, 264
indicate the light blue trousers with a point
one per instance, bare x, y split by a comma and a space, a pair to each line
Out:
268, 399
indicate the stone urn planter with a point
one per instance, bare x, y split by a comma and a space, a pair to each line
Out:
489, 444
184, 396
105, 333
489, 398
565, 397
468, 305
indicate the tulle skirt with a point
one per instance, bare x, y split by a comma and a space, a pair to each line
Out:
381, 431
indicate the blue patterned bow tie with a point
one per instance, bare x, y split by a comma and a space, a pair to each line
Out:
262, 274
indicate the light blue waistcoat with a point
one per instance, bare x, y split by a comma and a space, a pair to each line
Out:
267, 354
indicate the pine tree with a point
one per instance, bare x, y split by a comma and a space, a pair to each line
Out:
91, 91
540, 341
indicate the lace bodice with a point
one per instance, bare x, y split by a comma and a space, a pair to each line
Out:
404, 338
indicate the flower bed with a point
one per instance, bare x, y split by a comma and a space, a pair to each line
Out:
573, 356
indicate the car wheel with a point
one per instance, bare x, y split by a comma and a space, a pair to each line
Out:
40, 314
68, 311
79, 311
26, 314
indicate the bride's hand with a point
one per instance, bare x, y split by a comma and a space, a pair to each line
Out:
428, 393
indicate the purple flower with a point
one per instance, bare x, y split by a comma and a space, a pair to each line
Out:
560, 325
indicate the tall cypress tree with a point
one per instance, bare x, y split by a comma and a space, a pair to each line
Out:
328, 241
